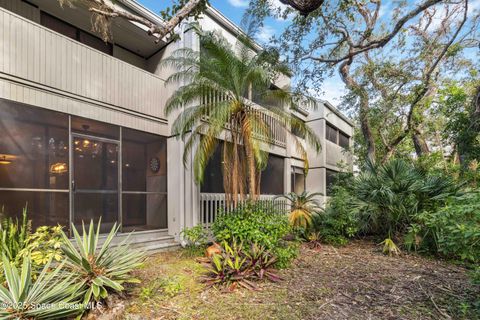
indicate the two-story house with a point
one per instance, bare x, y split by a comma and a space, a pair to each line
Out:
84, 134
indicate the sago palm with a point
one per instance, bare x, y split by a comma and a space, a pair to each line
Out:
212, 107
302, 208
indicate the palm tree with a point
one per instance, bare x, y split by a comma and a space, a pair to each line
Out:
302, 207
218, 78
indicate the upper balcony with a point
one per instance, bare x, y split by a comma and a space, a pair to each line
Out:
37, 55
278, 135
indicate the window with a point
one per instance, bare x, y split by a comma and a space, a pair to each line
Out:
336, 136
331, 133
298, 180
330, 179
213, 176
344, 140
34, 163
144, 180
58, 25
35, 169
271, 181
74, 33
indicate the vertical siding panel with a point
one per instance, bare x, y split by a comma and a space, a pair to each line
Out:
3, 43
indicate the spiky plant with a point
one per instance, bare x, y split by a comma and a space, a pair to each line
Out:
212, 97
13, 235
302, 207
53, 295
103, 268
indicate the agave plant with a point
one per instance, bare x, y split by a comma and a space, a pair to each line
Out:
104, 268
53, 295
302, 208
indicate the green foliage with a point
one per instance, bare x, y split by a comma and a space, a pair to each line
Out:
13, 235
169, 287
452, 231
303, 207
43, 245
386, 197
390, 248
251, 223
51, 296
196, 238
236, 266
455, 103
285, 253
100, 269
339, 222
227, 71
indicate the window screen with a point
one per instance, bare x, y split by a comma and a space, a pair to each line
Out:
330, 177
331, 133
343, 140
58, 25
272, 177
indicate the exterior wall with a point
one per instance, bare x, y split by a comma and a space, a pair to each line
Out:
40, 67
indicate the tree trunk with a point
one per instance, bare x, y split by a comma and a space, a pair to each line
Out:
421, 146
364, 108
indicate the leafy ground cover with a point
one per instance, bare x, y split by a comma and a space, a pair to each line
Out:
352, 282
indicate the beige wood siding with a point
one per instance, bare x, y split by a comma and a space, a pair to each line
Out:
32, 53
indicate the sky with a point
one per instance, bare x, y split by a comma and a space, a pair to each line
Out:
333, 88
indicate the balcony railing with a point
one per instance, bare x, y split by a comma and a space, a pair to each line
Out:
278, 134
33, 53
213, 204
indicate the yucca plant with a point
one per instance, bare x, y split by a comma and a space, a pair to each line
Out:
302, 208
100, 269
53, 295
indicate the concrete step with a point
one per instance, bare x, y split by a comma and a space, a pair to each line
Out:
151, 241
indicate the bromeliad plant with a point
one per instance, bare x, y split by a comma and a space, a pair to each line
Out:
100, 269
236, 266
53, 295
303, 207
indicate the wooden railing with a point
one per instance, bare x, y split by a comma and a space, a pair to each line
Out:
33, 53
278, 134
214, 204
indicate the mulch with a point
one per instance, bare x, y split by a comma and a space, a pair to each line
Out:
359, 282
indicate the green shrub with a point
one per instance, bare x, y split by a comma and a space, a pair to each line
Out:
452, 231
196, 239
51, 296
285, 253
43, 245
251, 223
339, 222
101, 269
383, 200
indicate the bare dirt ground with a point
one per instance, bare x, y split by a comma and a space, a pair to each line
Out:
352, 282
